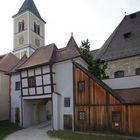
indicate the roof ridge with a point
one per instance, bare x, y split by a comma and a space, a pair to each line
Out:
117, 46
17, 64
114, 34
27, 63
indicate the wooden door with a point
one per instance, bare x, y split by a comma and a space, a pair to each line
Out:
68, 122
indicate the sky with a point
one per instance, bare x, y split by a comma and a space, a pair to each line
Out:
94, 20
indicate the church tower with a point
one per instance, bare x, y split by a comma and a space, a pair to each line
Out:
29, 30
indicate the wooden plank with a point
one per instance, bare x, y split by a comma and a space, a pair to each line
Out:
68, 122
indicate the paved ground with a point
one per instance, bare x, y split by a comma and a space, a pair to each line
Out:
38, 132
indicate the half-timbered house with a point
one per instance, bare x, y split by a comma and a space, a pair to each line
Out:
42, 86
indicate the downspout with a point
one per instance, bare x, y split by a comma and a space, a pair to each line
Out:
52, 91
21, 101
10, 98
73, 97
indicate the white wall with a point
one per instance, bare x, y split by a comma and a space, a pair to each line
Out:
64, 86
4, 96
123, 83
28, 113
63, 78
15, 97
34, 111
56, 111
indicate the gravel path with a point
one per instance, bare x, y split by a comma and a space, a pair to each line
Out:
38, 132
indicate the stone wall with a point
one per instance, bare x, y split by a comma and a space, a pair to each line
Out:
128, 65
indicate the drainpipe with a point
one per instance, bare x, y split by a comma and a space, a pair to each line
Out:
52, 90
10, 98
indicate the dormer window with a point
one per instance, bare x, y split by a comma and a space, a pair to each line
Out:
36, 28
127, 35
21, 26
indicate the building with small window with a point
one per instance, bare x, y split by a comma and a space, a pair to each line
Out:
42, 86
121, 50
101, 108
7, 62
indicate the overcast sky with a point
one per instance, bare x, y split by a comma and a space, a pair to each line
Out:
92, 19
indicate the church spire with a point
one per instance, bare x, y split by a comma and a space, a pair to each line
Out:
29, 5
29, 30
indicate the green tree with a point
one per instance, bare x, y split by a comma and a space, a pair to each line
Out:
96, 67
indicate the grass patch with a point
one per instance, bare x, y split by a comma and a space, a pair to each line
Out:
7, 128
69, 135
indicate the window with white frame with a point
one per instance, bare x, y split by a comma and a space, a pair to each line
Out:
81, 115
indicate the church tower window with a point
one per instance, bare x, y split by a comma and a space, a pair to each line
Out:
36, 28
21, 26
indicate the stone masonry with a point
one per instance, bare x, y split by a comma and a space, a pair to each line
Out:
128, 65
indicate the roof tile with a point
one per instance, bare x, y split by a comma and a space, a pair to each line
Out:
41, 56
7, 62
130, 96
117, 46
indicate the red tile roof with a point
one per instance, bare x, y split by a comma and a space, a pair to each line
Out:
7, 62
130, 96
42, 55
19, 63
50, 53
69, 52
